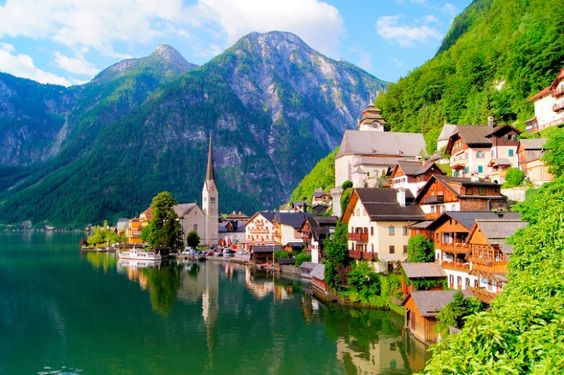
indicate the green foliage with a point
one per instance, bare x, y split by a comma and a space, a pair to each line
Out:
304, 256
495, 56
364, 280
336, 257
193, 240
165, 230
514, 177
420, 249
103, 235
321, 176
455, 313
554, 155
345, 198
347, 184
281, 254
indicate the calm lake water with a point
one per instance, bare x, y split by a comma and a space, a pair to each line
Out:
71, 313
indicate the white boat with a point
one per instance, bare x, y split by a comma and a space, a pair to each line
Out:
136, 254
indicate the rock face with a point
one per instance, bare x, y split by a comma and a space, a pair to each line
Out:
272, 105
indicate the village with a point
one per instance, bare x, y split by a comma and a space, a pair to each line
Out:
387, 191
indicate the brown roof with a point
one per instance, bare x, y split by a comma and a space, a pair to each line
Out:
381, 205
548, 90
501, 130
468, 218
430, 302
498, 230
455, 185
472, 135
533, 144
415, 167
423, 270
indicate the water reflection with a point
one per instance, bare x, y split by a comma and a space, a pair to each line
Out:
103, 261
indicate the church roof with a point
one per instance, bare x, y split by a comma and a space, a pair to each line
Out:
357, 142
209, 170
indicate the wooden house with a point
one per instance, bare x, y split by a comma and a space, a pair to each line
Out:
421, 310
314, 232
490, 255
413, 174
443, 193
530, 152
419, 272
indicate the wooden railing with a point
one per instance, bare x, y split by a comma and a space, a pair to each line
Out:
434, 199
359, 255
355, 254
490, 267
455, 248
483, 294
456, 266
358, 237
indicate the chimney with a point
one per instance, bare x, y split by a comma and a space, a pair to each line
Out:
400, 196
490, 122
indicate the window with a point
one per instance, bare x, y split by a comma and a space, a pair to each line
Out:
465, 169
405, 230
195, 226
459, 282
479, 154
511, 151
371, 231
450, 281
391, 230
467, 282
405, 249
212, 199
392, 249
480, 169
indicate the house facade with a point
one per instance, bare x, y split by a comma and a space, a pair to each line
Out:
378, 221
444, 193
287, 227
549, 105
259, 229
413, 174
530, 152
315, 230
469, 151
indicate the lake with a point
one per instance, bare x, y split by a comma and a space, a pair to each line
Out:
63, 312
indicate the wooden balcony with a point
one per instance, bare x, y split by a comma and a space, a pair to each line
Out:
558, 106
355, 254
489, 267
483, 295
456, 266
358, 237
458, 164
434, 199
455, 248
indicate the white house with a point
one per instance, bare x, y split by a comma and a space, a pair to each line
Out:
549, 105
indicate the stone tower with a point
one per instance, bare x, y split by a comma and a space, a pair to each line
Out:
210, 203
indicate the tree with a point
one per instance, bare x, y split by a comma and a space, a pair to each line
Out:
554, 155
514, 177
193, 240
420, 249
455, 313
364, 279
164, 229
336, 256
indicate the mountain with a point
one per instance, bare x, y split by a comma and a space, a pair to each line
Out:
272, 105
495, 56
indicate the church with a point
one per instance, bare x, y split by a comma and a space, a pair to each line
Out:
205, 220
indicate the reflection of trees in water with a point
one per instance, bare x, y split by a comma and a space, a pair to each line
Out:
163, 284
103, 261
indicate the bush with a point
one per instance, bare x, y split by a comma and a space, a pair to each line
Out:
364, 280
514, 177
347, 184
455, 313
303, 257
420, 249
193, 240
281, 254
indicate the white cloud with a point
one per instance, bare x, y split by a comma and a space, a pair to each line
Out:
22, 65
390, 28
450, 10
318, 23
77, 65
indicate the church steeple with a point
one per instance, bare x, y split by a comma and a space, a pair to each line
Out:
209, 170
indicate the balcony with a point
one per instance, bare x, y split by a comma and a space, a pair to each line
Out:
358, 237
434, 199
456, 266
458, 164
455, 248
558, 92
355, 254
483, 295
489, 267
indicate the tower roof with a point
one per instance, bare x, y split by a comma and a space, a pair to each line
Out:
209, 170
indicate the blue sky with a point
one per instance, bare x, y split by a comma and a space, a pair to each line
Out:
68, 42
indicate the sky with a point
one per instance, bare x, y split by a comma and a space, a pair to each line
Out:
68, 42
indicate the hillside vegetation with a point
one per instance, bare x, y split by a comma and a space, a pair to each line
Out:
495, 56
321, 176
522, 333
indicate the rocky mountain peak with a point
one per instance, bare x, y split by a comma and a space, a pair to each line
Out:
170, 55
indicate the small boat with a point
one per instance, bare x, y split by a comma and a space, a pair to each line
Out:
136, 254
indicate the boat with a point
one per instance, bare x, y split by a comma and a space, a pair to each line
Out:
136, 254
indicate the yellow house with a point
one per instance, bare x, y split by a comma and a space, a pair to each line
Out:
378, 221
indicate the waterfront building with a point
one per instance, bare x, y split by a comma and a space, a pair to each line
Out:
378, 221
259, 229
315, 230
530, 152
133, 232
421, 310
287, 227
490, 255
444, 193
413, 174
421, 271
452, 252
549, 105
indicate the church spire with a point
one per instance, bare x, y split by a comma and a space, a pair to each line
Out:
209, 170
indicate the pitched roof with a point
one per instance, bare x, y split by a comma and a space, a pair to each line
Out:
548, 90
382, 143
499, 162
446, 132
533, 144
266, 249
293, 219
496, 230
472, 135
415, 167
423, 270
183, 209
501, 130
454, 184
318, 271
430, 302
468, 218
381, 205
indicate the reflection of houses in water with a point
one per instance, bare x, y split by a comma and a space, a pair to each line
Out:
261, 286
131, 269
383, 355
